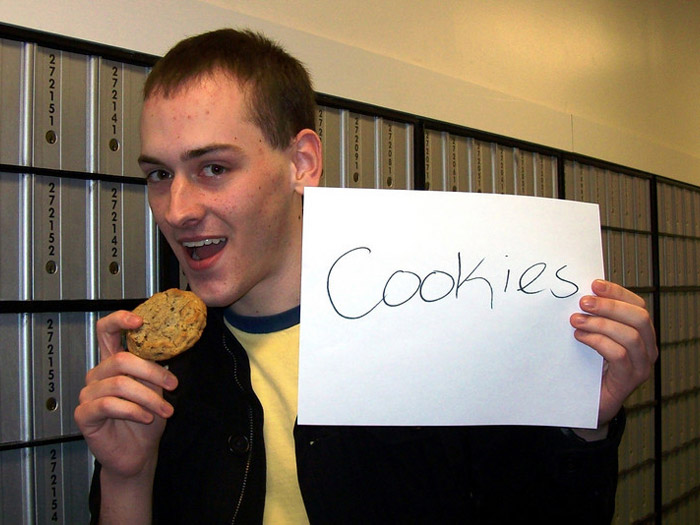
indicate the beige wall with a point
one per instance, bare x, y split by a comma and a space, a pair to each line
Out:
613, 79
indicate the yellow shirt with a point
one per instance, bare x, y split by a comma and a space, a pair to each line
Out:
272, 345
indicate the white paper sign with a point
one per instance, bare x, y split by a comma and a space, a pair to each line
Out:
434, 308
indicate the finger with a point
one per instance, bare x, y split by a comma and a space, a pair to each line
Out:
614, 340
611, 290
93, 414
92, 417
123, 397
109, 330
624, 314
610, 338
128, 364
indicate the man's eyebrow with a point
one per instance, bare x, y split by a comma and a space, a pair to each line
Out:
213, 148
191, 154
145, 159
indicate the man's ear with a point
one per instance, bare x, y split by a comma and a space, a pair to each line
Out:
307, 160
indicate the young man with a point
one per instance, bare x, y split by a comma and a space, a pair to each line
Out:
228, 148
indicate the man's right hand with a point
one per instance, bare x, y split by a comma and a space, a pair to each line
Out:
122, 412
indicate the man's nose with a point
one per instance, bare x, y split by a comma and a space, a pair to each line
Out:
185, 203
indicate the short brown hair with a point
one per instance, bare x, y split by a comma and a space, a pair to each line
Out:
281, 100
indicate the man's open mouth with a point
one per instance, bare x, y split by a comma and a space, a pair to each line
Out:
204, 248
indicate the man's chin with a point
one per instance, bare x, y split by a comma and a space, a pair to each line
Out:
211, 297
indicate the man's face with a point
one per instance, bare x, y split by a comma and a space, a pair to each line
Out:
225, 200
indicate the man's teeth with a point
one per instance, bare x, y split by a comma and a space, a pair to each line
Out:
205, 242
193, 245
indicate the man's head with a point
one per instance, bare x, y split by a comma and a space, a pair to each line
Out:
226, 167
281, 100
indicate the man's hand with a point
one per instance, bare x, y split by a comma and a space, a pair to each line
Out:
617, 325
122, 416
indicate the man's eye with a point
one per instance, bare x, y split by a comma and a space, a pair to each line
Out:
213, 170
157, 175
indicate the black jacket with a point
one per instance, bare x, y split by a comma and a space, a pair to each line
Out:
211, 466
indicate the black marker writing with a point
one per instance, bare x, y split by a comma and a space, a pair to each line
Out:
402, 285
576, 288
470, 278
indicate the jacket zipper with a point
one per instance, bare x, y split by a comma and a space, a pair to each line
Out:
250, 434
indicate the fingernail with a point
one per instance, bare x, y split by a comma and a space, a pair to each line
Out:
170, 381
166, 410
588, 302
600, 285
